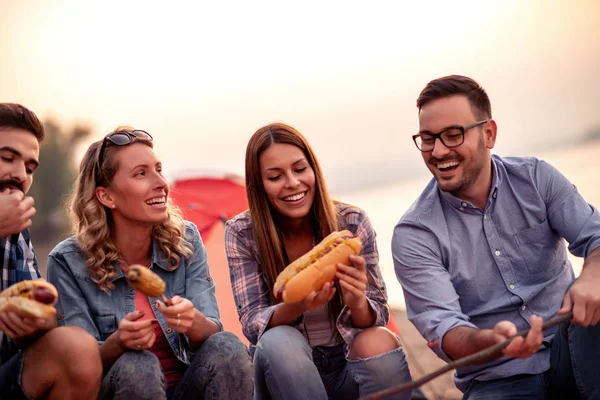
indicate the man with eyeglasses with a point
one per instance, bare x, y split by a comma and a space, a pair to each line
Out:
37, 359
480, 256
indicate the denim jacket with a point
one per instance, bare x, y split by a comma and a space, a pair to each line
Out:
82, 303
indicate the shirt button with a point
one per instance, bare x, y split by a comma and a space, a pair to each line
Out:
464, 204
485, 216
511, 286
61, 317
169, 330
497, 253
462, 209
524, 308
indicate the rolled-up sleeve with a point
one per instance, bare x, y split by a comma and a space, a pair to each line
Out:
199, 285
251, 294
26, 268
568, 212
31, 261
431, 301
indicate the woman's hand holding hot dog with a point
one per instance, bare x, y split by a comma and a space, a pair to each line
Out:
287, 313
354, 281
314, 300
307, 283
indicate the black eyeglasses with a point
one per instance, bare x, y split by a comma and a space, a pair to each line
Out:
453, 136
122, 138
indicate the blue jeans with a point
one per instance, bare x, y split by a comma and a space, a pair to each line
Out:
11, 374
572, 375
221, 369
285, 367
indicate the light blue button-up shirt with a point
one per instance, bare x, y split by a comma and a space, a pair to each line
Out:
463, 266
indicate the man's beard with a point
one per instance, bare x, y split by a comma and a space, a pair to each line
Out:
470, 174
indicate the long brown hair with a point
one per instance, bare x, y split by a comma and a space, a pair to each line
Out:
268, 235
92, 222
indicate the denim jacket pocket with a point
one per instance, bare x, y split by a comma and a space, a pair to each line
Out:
539, 248
106, 324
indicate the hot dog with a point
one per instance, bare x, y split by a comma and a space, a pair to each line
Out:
317, 267
30, 299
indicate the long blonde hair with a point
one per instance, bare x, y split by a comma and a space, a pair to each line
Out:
92, 222
324, 215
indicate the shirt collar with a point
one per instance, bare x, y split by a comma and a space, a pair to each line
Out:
496, 181
464, 205
158, 258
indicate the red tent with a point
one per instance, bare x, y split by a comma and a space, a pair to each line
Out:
209, 200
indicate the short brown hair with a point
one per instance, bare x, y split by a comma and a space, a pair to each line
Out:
457, 85
16, 116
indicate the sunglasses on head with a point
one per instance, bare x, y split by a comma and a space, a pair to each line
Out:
122, 138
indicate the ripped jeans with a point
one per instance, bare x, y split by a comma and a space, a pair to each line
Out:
285, 367
221, 369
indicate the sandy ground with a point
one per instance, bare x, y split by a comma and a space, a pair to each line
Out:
422, 360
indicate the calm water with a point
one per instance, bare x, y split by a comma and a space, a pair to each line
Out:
385, 205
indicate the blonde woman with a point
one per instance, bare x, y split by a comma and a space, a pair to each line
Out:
334, 343
122, 216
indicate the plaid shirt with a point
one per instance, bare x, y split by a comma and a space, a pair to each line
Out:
252, 293
18, 262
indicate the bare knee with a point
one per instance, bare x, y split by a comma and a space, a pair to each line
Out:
76, 351
62, 355
372, 342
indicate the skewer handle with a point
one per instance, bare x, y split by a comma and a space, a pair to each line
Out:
165, 300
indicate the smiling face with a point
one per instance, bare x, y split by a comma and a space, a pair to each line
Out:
466, 168
138, 190
19, 158
288, 179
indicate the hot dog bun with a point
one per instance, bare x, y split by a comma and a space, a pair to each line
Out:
30, 299
317, 267
38, 290
26, 308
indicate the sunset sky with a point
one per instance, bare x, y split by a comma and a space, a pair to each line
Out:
203, 76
